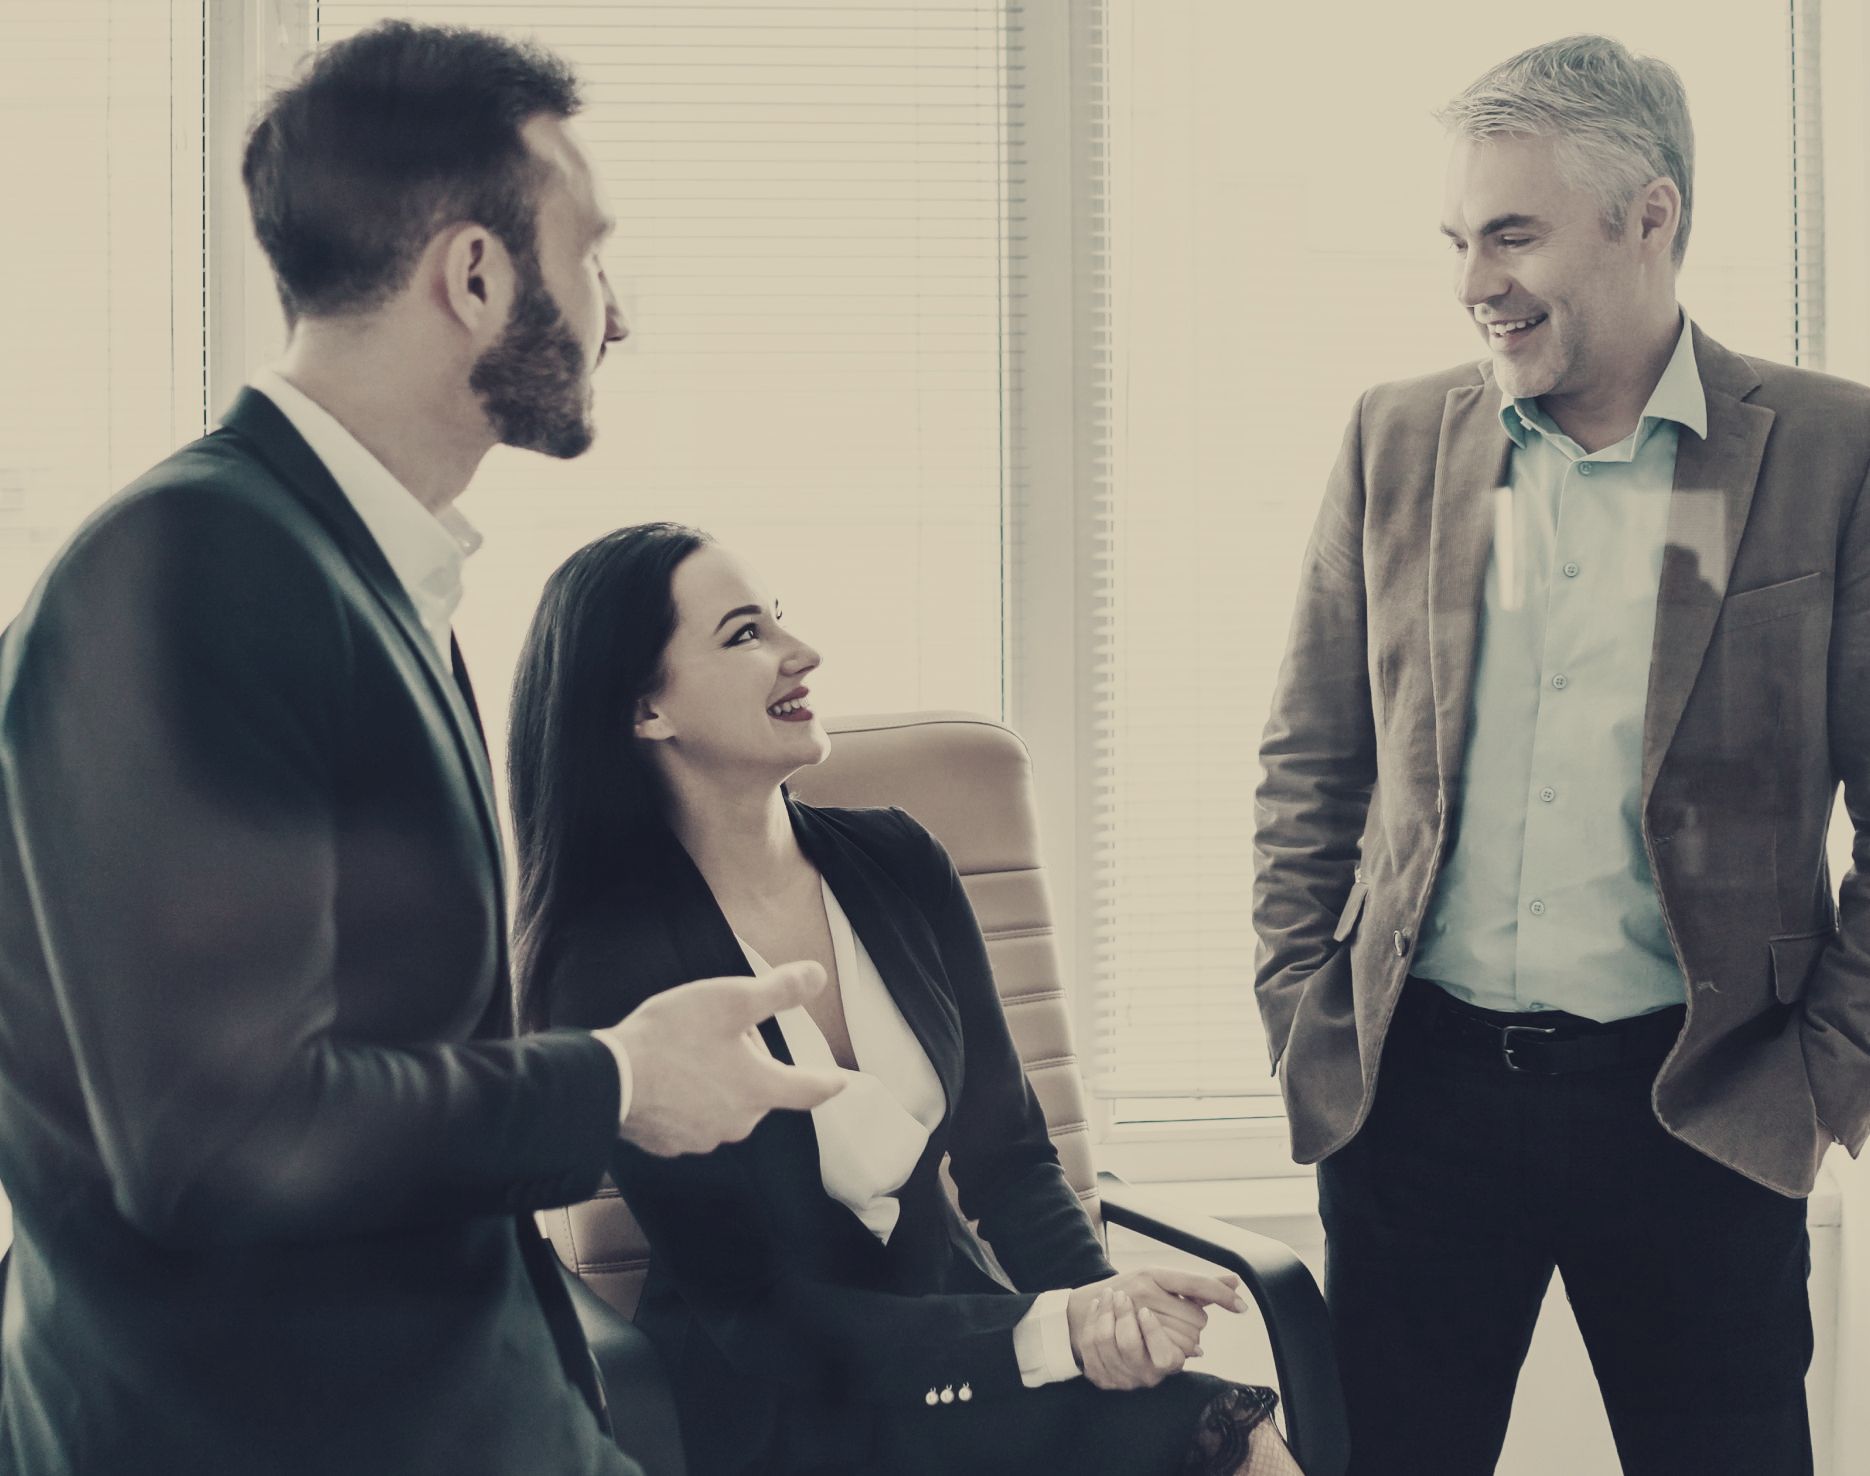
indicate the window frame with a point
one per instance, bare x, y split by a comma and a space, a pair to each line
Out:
1052, 453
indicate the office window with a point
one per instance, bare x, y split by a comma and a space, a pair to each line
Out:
102, 374
1275, 192
816, 247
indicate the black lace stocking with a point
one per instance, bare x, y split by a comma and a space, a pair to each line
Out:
1224, 1443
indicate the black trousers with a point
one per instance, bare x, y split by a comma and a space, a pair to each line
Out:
1470, 1182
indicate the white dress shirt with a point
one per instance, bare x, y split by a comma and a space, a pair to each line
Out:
872, 1134
427, 552
1546, 901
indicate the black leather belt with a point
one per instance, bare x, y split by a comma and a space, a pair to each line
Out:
1542, 1043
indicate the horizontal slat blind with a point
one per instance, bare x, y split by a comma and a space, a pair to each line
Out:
101, 369
1275, 251
1808, 175
816, 236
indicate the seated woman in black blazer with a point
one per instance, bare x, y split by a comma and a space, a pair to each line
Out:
819, 1304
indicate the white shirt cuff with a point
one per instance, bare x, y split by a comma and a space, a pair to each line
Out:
1042, 1341
626, 1079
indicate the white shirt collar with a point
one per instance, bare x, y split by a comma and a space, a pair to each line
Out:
426, 551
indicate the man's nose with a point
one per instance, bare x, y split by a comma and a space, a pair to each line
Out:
1478, 280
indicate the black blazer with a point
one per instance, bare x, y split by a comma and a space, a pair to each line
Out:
785, 1325
268, 1140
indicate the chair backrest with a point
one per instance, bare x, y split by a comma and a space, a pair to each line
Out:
969, 780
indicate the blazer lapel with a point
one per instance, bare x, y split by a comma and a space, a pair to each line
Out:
261, 423
1713, 492
703, 939
897, 939
682, 908
1470, 462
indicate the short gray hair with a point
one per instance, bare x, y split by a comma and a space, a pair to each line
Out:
1616, 120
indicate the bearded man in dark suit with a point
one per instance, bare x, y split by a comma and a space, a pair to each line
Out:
271, 1145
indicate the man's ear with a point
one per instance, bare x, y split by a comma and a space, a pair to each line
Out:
476, 282
649, 724
1659, 212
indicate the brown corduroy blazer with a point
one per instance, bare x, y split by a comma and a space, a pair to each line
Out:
1758, 708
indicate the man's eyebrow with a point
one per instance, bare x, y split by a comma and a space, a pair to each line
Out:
1512, 222
740, 610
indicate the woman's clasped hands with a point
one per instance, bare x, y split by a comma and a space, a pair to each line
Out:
1133, 1330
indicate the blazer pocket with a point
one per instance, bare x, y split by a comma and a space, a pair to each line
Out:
1771, 601
1353, 909
1795, 956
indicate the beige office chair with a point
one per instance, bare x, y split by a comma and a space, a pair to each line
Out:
969, 780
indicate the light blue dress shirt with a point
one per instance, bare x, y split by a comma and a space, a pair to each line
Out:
1546, 899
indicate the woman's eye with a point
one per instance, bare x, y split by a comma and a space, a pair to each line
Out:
739, 637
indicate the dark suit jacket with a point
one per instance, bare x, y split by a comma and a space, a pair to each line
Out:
785, 1325
267, 1139
1758, 706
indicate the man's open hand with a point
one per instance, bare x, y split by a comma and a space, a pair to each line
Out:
702, 1076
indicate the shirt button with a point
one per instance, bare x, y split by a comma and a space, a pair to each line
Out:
1548, 794
1571, 571
964, 1393
1584, 468
947, 1395
1560, 682
931, 1397
1536, 907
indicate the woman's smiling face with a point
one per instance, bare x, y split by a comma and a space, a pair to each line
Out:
733, 693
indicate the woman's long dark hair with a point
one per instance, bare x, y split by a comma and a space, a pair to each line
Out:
588, 806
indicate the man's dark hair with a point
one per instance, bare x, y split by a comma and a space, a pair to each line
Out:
388, 137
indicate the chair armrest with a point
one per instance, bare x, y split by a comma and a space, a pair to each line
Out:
1304, 1360
642, 1410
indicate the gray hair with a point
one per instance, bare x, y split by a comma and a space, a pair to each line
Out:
1616, 120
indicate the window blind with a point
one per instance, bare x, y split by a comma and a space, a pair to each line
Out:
101, 374
817, 232
102, 371
1274, 200
1808, 173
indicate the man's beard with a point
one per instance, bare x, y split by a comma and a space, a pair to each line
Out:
532, 383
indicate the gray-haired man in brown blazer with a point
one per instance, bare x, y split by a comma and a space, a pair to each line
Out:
1549, 958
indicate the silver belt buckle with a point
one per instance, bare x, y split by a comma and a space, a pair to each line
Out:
1506, 1042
